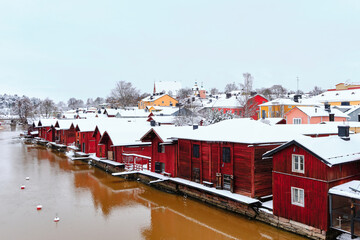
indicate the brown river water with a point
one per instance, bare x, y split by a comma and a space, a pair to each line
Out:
92, 204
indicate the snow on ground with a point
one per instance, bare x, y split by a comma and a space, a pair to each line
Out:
224, 193
346, 236
268, 204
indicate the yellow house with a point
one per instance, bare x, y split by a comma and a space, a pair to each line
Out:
163, 100
279, 107
343, 95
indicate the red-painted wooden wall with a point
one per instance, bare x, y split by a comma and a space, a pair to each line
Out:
87, 139
168, 157
316, 181
252, 174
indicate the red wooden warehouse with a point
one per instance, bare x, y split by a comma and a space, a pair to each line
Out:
306, 168
45, 128
229, 155
84, 135
164, 156
121, 144
65, 132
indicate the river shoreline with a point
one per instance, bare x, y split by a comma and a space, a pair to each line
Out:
200, 194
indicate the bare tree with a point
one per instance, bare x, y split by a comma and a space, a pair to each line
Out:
214, 91
23, 108
266, 92
36, 102
184, 93
249, 106
278, 91
214, 116
61, 106
316, 91
74, 103
231, 87
142, 96
124, 95
98, 101
48, 107
89, 102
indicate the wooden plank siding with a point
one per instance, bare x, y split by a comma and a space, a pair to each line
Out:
168, 157
184, 167
316, 181
315, 212
252, 175
262, 172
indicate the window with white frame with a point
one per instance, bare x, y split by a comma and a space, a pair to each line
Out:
298, 163
297, 121
297, 196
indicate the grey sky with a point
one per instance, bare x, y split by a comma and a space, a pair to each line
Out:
80, 48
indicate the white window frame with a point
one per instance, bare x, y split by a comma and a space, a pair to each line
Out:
297, 121
297, 196
297, 163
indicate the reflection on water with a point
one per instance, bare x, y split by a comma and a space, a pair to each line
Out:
92, 204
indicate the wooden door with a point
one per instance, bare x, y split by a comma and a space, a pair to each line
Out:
226, 167
110, 155
226, 160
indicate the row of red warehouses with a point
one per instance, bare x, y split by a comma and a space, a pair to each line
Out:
228, 155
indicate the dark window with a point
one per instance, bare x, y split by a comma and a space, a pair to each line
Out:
226, 155
345, 103
161, 148
196, 151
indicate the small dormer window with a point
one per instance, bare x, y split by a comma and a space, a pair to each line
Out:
337, 94
322, 95
353, 93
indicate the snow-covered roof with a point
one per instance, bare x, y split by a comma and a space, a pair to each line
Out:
352, 124
345, 189
167, 133
353, 109
166, 111
271, 121
69, 115
243, 130
167, 87
223, 102
152, 98
320, 112
65, 124
133, 113
291, 102
309, 129
46, 122
339, 96
164, 119
331, 150
86, 125
128, 133
114, 123
112, 112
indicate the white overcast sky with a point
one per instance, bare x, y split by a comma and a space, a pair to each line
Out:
80, 48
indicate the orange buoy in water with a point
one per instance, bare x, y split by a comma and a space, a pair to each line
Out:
39, 207
22, 187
